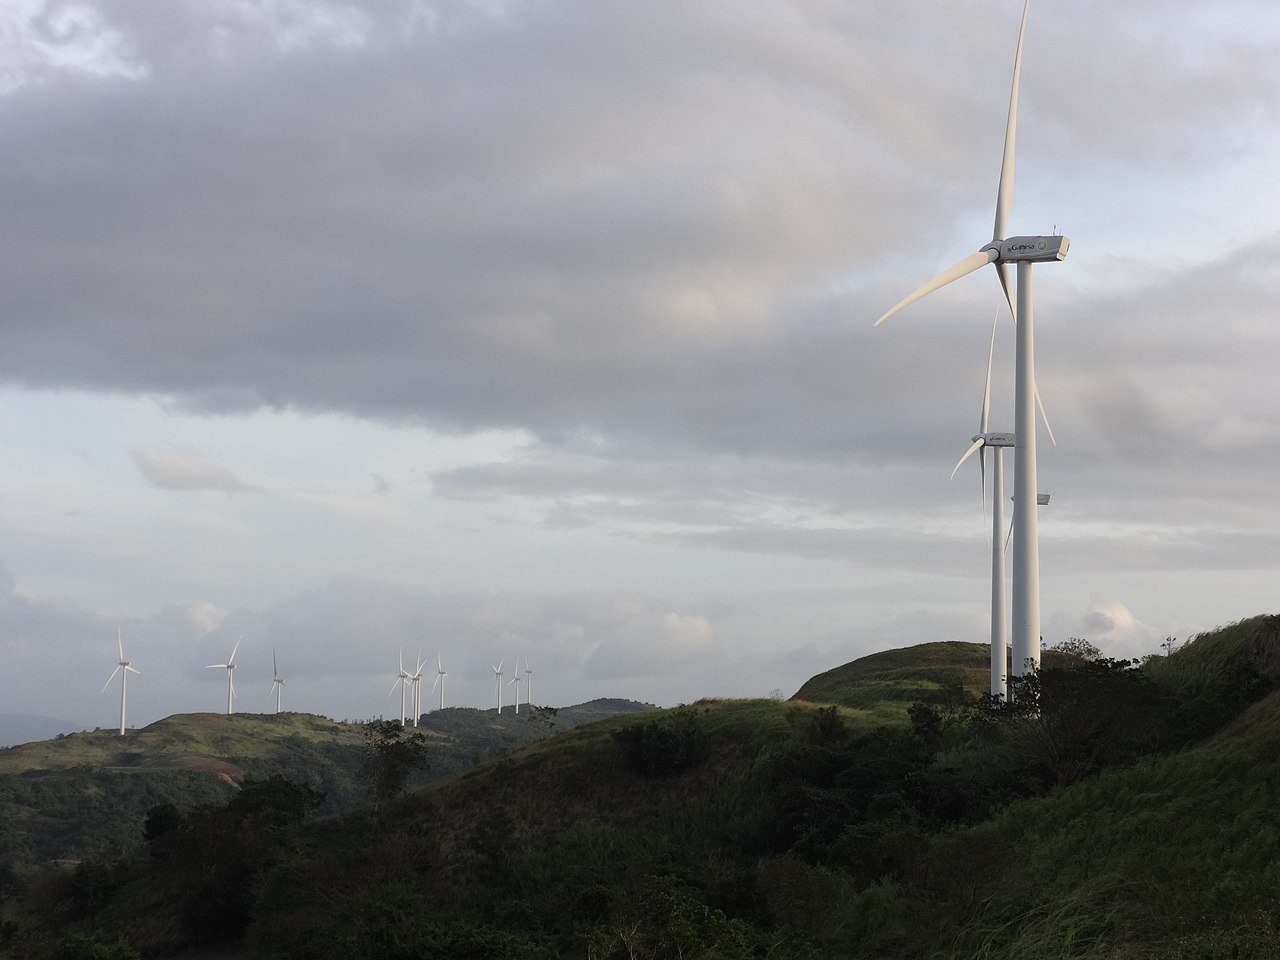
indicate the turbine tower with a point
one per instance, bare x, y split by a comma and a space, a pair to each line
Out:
230, 667
497, 677
124, 669
277, 685
997, 442
440, 675
402, 681
1024, 252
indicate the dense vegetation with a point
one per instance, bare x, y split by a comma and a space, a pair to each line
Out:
1112, 810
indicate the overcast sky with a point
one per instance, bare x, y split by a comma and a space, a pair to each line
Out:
544, 329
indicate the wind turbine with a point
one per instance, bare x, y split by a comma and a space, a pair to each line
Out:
1023, 251
230, 667
516, 681
124, 669
997, 442
402, 681
416, 679
277, 685
528, 683
497, 677
440, 675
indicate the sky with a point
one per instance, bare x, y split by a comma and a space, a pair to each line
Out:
543, 331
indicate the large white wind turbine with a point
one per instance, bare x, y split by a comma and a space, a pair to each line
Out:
124, 669
402, 681
497, 677
230, 667
528, 683
1023, 251
277, 685
997, 442
440, 675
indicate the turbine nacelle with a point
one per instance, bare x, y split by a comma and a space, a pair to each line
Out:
994, 439
1029, 249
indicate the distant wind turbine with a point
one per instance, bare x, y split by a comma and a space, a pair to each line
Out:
516, 680
402, 681
277, 685
440, 675
1024, 252
124, 669
497, 677
416, 680
230, 667
528, 683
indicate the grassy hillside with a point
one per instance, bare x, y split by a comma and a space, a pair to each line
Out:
888, 682
79, 793
1129, 816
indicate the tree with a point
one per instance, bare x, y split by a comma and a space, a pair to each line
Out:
544, 717
391, 754
1077, 648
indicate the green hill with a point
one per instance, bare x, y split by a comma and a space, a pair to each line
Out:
886, 683
82, 793
1113, 813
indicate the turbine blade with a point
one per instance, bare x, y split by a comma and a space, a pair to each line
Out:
1044, 416
966, 266
119, 643
399, 680
109, 679
436, 684
131, 670
232, 659
1002, 270
1004, 195
218, 666
986, 393
973, 448
275, 669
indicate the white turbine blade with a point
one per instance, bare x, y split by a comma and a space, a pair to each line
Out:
986, 391
1044, 417
973, 448
439, 664
275, 669
232, 659
217, 666
399, 680
437, 683
131, 670
120, 644
498, 668
966, 266
1004, 195
110, 678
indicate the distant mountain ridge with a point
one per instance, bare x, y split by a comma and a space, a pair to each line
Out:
195, 758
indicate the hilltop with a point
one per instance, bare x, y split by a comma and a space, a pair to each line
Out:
80, 792
885, 683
